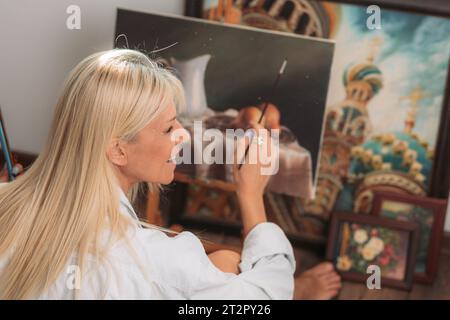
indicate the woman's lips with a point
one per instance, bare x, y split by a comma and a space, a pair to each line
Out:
172, 160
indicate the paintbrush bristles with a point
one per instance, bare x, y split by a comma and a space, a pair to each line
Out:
283, 66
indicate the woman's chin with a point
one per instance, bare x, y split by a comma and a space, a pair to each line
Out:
168, 178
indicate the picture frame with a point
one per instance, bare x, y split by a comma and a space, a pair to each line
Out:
429, 213
193, 8
439, 176
357, 241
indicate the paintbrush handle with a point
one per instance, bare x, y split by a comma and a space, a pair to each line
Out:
6, 150
283, 66
245, 155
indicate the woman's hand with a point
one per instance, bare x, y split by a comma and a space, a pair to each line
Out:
250, 180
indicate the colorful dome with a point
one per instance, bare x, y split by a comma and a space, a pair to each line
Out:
364, 71
348, 120
401, 152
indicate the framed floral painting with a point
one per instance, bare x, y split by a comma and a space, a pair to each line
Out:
429, 213
358, 241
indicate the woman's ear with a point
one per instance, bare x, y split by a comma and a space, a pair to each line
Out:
116, 153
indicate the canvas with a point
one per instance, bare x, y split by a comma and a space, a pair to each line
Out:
385, 101
227, 73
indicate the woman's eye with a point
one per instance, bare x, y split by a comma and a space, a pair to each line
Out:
168, 130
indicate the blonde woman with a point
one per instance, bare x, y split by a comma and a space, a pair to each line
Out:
67, 229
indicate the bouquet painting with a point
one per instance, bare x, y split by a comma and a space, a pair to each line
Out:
357, 241
364, 245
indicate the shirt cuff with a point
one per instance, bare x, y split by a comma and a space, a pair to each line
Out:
265, 239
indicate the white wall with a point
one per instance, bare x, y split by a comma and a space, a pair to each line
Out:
37, 51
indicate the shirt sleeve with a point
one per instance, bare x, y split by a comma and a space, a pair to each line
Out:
179, 268
267, 269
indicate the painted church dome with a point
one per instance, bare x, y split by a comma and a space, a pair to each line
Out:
366, 72
402, 152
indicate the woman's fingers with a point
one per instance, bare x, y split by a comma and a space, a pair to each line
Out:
255, 147
251, 172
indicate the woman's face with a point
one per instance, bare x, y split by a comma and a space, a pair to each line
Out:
148, 156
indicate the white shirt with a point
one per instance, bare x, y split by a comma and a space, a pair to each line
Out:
178, 268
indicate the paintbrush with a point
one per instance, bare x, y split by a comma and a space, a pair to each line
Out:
275, 84
9, 160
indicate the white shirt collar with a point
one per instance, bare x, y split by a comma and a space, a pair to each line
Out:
125, 205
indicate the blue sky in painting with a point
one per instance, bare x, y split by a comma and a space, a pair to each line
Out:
415, 51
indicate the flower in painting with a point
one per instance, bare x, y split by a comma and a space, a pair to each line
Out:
344, 263
360, 236
388, 249
368, 253
384, 260
377, 244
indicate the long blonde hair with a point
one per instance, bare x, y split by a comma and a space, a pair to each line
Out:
67, 198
